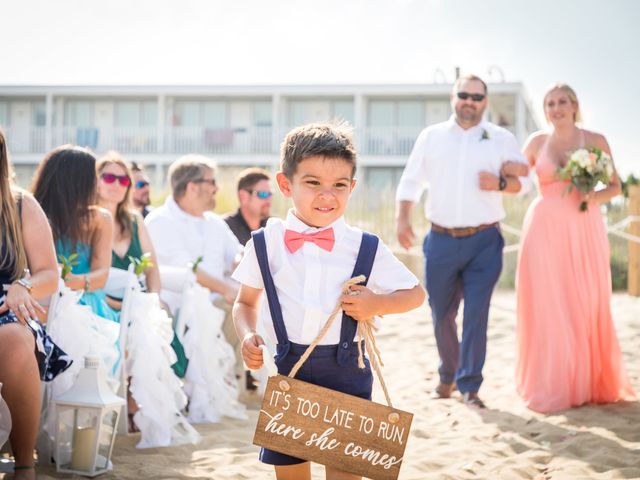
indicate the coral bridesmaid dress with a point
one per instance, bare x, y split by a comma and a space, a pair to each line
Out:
568, 352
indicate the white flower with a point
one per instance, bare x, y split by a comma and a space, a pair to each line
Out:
581, 157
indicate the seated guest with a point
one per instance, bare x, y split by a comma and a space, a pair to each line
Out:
185, 229
186, 232
26, 244
130, 236
254, 197
131, 240
65, 186
140, 196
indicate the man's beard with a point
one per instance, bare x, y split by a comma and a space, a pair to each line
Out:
468, 114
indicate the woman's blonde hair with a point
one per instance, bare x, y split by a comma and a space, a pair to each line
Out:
577, 116
14, 258
123, 216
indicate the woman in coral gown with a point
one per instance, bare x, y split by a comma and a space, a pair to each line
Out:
568, 352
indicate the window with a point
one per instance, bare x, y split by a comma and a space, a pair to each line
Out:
343, 110
262, 114
215, 114
39, 112
148, 113
306, 111
79, 113
127, 114
402, 113
135, 113
187, 114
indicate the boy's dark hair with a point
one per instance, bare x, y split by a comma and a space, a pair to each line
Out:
329, 140
250, 176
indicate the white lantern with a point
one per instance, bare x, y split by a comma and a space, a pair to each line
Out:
86, 423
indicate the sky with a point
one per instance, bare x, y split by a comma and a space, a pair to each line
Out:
593, 45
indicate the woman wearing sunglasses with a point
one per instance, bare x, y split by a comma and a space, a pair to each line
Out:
65, 186
130, 236
131, 240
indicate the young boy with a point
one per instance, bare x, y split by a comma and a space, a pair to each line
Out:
302, 263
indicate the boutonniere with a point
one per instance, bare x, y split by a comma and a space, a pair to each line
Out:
485, 135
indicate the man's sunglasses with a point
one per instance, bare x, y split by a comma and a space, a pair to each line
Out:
476, 97
210, 181
262, 194
110, 178
141, 184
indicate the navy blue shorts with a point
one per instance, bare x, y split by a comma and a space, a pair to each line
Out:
321, 368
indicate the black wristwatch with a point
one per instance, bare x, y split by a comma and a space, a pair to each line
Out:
502, 183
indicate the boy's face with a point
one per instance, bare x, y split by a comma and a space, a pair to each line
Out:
320, 189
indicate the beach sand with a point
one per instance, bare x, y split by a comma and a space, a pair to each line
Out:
448, 440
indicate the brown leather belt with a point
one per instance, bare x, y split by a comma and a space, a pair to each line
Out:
462, 231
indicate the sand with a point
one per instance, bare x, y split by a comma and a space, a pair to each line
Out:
448, 439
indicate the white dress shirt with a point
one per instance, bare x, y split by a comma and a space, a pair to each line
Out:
309, 281
180, 238
447, 159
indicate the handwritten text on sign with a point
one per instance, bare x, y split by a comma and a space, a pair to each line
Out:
332, 428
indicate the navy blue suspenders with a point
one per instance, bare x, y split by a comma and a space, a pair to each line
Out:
363, 266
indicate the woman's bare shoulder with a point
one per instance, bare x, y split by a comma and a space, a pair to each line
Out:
100, 216
595, 139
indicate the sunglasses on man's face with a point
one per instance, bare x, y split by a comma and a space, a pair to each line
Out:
476, 97
141, 184
261, 194
210, 181
110, 178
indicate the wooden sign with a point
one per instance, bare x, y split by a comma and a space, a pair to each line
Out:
332, 428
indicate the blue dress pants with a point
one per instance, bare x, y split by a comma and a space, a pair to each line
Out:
462, 268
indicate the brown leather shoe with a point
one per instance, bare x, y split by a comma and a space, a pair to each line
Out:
443, 390
473, 400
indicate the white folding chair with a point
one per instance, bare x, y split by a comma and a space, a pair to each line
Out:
175, 281
123, 284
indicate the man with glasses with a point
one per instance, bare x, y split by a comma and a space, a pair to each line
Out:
465, 164
185, 229
140, 195
254, 197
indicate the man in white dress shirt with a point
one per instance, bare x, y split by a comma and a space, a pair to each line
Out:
185, 229
462, 162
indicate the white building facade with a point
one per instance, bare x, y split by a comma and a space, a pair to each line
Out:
236, 125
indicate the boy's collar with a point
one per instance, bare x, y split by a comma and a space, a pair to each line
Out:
294, 223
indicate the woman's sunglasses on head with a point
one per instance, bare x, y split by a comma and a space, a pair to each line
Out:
110, 178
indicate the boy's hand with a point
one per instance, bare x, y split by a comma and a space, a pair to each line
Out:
361, 306
251, 351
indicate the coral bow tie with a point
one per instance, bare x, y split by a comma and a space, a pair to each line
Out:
324, 239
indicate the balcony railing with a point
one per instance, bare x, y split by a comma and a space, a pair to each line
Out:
218, 140
25, 140
387, 140
145, 140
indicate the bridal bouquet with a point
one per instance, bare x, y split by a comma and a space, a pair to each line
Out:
585, 168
